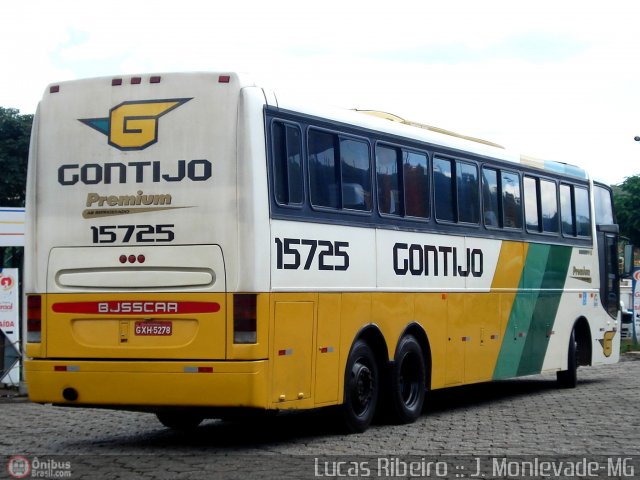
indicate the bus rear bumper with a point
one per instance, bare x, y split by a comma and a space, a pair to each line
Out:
145, 385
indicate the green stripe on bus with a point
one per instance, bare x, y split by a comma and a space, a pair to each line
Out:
534, 311
544, 313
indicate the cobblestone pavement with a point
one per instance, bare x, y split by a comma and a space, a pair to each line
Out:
528, 416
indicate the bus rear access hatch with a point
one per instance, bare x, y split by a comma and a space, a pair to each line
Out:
136, 302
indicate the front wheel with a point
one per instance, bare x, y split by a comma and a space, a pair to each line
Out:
569, 378
408, 381
361, 386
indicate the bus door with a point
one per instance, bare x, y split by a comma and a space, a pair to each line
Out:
607, 243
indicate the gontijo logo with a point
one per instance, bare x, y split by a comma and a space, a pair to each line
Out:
133, 125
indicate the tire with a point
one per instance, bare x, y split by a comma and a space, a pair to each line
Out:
408, 381
569, 378
361, 388
181, 421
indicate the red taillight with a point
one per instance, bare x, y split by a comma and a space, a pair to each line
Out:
244, 318
34, 318
224, 78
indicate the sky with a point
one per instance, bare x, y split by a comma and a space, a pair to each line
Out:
554, 79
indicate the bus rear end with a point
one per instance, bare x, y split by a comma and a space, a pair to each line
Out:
133, 207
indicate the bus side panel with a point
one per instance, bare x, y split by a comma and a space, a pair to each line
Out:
327, 375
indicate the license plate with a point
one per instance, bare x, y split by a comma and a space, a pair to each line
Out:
153, 328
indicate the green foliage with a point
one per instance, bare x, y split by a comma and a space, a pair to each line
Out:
15, 130
626, 197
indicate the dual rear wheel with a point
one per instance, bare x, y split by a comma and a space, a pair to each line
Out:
402, 393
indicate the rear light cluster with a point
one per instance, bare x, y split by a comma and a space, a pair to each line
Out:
34, 319
116, 82
132, 258
244, 318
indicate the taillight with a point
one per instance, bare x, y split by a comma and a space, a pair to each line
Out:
244, 318
34, 318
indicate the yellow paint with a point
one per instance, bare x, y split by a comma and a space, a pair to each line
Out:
392, 312
463, 329
431, 312
510, 265
607, 343
232, 384
483, 332
327, 374
74, 335
134, 125
292, 350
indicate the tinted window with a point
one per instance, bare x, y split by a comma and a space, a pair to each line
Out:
287, 161
468, 200
604, 208
531, 204
443, 189
511, 200
568, 224
387, 160
583, 219
416, 184
549, 203
356, 174
490, 197
323, 170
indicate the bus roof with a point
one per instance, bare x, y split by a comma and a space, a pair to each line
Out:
396, 125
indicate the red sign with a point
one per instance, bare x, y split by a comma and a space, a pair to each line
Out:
136, 307
6, 282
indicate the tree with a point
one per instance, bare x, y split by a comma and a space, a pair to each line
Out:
626, 198
15, 130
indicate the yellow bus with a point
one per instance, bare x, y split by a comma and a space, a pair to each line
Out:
197, 245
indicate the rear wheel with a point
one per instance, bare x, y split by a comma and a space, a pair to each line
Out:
569, 378
408, 381
181, 421
361, 386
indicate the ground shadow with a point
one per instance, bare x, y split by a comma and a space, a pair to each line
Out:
259, 432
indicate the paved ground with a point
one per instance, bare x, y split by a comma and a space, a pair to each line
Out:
599, 422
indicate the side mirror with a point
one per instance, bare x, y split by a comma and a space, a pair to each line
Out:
627, 268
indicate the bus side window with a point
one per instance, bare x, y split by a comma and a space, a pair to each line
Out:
490, 197
387, 160
603, 206
356, 174
531, 204
443, 189
566, 210
549, 204
324, 179
416, 184
287, 164
583, 219
467, 190
511, 200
